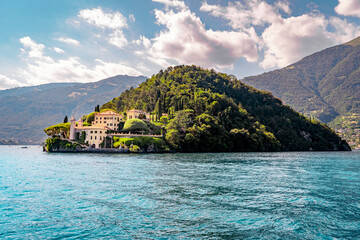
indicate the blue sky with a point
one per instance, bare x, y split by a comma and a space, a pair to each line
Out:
84, 41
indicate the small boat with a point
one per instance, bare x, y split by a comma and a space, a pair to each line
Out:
24, 147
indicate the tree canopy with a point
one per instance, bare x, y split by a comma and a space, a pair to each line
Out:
211, 111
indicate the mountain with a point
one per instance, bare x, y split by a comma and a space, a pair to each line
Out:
209, 111
324, 85
27, 111
22, 90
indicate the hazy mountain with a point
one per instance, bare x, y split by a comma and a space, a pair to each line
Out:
27, 111
324, 85
22, 90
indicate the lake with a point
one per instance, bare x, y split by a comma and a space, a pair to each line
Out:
296, 195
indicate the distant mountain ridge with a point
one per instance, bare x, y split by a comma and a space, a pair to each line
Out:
28, 110
23, 90
324, 85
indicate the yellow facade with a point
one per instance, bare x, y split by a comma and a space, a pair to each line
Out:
97, 132
131, 114
108, 119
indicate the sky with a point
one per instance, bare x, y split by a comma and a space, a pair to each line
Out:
44, 41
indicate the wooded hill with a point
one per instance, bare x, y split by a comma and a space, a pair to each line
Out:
210, 111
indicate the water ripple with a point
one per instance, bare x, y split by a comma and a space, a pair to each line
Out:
179, 196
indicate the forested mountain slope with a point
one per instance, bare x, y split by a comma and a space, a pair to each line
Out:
210, 111
324, 85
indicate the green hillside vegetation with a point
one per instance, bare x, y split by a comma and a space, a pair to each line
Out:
210, 111
348, 127
143, 143
55, 143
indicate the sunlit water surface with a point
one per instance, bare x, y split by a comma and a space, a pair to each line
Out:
202, 196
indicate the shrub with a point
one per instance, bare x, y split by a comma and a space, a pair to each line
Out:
90, 117
142, 116
142, 142
53, 144
135, 149
135, 125
107, 109
164, 119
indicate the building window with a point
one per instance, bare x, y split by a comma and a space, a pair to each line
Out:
100, 121
95, 131
100, 118
95, 137
96, 121
91, 138
110, 124
100, 131
104, 121
96, 118
91, 131
107, 124
100, 138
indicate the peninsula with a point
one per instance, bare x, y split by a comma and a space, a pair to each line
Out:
190, 109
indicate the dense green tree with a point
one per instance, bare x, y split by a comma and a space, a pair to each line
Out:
135, 125
223, 114
97, 108
90, 117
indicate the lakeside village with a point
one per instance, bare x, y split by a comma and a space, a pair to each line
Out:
109, 131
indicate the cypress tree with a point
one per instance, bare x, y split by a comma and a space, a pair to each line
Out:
97, 108
65, 119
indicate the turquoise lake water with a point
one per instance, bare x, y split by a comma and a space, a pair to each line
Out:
312, 195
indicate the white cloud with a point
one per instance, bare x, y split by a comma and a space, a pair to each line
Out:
99, 18
117, 38
114, 21
6, 82
284, 40
69, 41
186, 41
108, 69
35, 50
143, 41
42, 69
344, 31
284, 6
296, 37
172, 3
251, 13
348, 8
58, 50
132, 18
293, 38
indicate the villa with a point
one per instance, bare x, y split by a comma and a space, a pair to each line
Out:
104, 124
134, 113
97, 132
